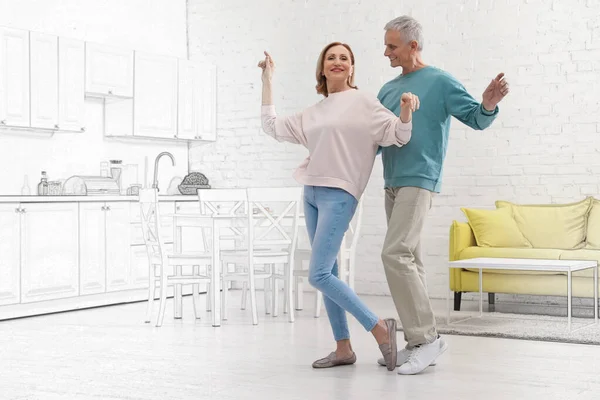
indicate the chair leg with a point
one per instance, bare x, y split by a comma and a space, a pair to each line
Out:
285, 290
196, 292
457, 298
275, 296
163, 296
178, 296
289, 278
151, 293
208, 297
351, 271
318, 304
244, 295
225, 294
267, 290
299, 292
252, 283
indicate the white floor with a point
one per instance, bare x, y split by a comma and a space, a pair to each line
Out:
109, 353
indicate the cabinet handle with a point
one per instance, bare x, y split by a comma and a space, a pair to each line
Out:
83, 129
3, 122
56, 126
23, 210
110, 92
178, 208
17, 210
103, 208
108, 208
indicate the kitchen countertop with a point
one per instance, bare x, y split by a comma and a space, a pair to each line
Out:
98, 198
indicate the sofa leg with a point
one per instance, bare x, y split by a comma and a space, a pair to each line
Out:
457, 297
491, 302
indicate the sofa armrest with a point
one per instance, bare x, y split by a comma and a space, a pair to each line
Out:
461, 237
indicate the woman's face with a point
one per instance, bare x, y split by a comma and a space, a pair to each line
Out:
337, 64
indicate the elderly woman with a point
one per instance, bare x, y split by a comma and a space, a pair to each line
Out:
342, 133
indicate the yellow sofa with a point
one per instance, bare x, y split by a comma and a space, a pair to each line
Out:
542, 231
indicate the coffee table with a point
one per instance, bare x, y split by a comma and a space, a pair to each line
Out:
518, 264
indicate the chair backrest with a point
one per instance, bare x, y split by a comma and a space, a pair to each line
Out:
223, 201
151, 229
228, 202
273, 217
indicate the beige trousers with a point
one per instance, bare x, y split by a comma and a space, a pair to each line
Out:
406, 209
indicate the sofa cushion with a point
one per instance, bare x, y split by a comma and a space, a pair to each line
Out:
495, 228
593, 226
499, 252
582, 254
551, 226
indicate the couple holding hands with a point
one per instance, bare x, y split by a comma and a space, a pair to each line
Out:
343, 133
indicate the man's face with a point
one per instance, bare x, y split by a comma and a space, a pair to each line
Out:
399, 52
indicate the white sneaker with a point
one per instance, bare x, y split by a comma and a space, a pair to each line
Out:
422, 356
402, 358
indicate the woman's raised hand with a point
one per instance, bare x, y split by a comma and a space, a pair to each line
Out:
268, 67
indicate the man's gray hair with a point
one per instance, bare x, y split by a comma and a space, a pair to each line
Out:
410, 28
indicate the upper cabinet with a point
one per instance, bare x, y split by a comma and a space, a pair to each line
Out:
108, 71
45, 80
71, 85
155, 98
43, 50
14, 77
208, 102
188, 101
197, 101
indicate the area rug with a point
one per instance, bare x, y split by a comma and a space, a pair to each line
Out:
521, 326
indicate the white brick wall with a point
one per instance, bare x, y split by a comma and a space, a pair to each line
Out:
544, 146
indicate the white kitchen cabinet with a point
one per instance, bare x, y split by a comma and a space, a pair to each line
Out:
49, 251
92, 248
105, 247
118, 263
44, 80
10, 253
109, 71
208, 102
188, 105
71, 85
14, 77
197, 101
155, 99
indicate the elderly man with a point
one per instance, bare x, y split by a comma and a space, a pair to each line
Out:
413, 174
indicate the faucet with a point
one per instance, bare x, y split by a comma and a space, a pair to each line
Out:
155, 182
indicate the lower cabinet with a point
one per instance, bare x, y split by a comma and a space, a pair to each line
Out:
59, 256
49, 251
105, 248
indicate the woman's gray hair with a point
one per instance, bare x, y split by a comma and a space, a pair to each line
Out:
410, 28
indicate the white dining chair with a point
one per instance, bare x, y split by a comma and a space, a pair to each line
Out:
272, 233
223, 203
167, 269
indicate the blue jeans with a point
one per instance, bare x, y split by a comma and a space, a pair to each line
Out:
328, 212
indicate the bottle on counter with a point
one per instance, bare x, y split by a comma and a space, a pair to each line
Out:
25, 191
43, 185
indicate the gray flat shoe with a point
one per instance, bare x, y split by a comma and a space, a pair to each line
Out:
389, 350
332, 361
